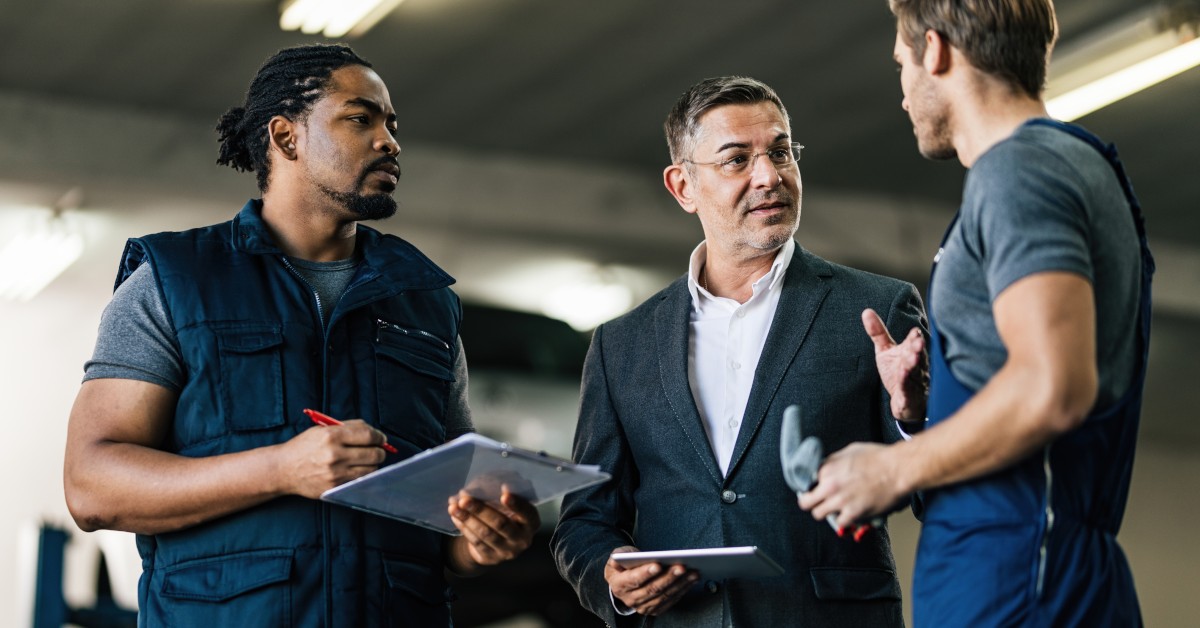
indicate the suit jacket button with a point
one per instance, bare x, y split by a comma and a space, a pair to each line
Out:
728, 496
711, 586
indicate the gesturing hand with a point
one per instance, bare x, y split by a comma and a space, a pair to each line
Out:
903, 367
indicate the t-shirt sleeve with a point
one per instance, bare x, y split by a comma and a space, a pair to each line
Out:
136, 339
1024, 215
458, 412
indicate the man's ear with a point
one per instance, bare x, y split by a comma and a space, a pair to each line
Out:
678, 182
937, 53
281, 133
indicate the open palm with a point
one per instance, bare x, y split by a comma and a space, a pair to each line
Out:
903, 368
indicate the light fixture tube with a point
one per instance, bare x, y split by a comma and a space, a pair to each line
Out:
1132, 79
1138, 51
334, 18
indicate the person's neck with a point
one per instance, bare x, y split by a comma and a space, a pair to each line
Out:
306, 232
989, 112
733, 276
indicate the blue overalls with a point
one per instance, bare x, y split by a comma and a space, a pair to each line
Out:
1035, 544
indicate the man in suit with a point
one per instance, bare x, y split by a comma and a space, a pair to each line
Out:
683, 397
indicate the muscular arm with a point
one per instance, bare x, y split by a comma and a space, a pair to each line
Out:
1046, 387
116, 477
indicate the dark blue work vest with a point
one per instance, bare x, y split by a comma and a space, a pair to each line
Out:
1035, 544
255, 356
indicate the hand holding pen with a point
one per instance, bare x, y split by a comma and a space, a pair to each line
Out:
324, 419
320, 458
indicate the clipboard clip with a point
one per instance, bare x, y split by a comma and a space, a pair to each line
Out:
506, 450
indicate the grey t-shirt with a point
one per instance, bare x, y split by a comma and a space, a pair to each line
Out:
329, 279
1040, 200
136, 339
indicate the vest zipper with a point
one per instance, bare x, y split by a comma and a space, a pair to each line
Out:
325, 560
316, 295
1041, 573
381, 325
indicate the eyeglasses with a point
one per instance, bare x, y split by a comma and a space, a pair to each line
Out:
743, 162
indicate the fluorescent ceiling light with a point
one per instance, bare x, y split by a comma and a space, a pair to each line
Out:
333, 18
36, 255
1137, 53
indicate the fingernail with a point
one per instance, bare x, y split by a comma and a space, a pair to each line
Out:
841, 531
653, 570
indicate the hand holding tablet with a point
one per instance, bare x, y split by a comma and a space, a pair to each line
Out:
715, 563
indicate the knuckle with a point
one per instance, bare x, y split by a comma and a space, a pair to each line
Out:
490, 536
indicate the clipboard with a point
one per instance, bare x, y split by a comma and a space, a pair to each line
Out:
417, 489
713, 563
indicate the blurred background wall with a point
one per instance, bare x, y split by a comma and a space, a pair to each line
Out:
532, 158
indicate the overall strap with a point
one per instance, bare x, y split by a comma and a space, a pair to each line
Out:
1109, 152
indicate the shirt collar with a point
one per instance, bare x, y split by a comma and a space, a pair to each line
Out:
769, 281
398, 263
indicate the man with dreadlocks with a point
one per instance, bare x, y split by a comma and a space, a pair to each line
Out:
188, 429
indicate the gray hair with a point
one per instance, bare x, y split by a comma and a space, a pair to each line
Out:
682, 125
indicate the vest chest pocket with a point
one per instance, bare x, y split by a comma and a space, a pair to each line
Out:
413, 373
251, 377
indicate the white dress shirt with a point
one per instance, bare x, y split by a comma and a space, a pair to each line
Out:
725, 340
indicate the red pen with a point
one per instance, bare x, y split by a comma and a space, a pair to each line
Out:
324, 419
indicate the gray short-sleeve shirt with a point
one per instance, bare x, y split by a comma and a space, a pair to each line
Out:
136, 341
1040, 200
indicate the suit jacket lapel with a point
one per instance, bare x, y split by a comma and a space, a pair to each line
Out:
804, 289
672, 320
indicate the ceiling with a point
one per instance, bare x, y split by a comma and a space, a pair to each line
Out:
584, 82
580, 83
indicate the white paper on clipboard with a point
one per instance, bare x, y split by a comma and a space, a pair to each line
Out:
713, 563
416, 490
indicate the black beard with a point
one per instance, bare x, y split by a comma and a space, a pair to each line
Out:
364, 206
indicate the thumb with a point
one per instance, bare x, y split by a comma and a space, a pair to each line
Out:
877, 331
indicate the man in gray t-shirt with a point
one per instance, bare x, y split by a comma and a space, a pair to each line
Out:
1039, 201
190, 428
1039, 318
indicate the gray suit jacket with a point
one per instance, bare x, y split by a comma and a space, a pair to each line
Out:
638, 421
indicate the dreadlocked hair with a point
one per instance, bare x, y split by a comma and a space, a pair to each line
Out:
286, 85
